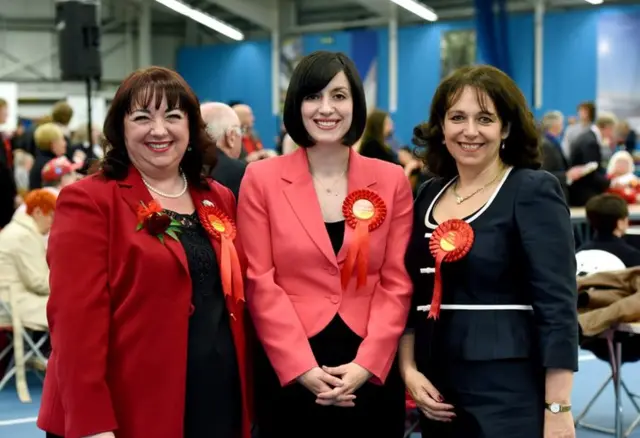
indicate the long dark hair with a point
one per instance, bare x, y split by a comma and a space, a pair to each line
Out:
521, 147
138, 90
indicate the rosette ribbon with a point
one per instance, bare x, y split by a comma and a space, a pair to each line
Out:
450, 242
364, 211
220, 226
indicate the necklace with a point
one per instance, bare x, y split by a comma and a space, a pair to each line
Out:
167, 195
329, 190
461, 199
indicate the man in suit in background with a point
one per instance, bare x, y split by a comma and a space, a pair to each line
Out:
554, 159
223, 125
587, 148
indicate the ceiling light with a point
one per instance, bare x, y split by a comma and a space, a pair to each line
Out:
417, 8
594, 2
204, 19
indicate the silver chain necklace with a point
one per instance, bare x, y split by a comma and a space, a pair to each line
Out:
167, 195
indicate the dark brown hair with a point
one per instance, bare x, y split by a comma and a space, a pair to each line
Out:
590, 108
604, 211
138, 90
521, 147
374, 129
311, 75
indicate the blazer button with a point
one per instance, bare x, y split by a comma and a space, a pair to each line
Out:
334, 299
332, 270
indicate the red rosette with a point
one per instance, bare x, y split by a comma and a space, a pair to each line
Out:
450, 242
364, 211
222, 228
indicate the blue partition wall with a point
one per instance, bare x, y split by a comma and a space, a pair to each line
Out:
243, 71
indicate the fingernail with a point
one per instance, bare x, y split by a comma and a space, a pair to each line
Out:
440, 398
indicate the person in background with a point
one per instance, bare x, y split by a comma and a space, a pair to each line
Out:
492, 340
23, 162
608, 216
373, 145
8, 191
252, 147
626, 137
51, 143
221, 162
146, 322
23, 264
586, 117
554, 160
329, 324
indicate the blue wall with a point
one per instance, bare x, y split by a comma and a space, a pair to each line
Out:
243, 71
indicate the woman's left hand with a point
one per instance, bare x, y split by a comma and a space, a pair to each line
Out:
353, 377
559, 425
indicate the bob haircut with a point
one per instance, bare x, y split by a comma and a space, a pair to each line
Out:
311, 75
141, 89
522, 145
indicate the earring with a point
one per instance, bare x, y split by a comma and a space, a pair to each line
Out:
189, 149
502, 145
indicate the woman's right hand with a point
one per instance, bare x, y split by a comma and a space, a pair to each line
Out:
318, 381
428, 399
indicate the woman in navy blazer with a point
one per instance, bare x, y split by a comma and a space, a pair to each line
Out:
492, 340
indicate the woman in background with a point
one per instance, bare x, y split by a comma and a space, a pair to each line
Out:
373, 145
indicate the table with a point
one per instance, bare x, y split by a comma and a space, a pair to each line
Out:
633, 328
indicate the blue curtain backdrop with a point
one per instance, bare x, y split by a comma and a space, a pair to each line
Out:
492, 34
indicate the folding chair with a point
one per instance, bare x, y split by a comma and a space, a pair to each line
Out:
590, 262
11, 324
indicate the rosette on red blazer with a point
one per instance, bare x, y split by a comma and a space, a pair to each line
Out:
450, 242
364, 211
219, 225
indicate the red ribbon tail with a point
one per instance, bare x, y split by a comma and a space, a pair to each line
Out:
354, 257
226, 269
436, 300
362, 260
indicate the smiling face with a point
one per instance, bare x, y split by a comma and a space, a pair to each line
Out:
472, 130
156, 138
327, 114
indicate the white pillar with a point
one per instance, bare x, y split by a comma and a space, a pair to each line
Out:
538, 27
393, 58
144, 34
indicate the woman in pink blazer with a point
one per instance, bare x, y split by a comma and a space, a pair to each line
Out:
325, 232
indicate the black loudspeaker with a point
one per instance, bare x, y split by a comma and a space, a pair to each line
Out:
78, 27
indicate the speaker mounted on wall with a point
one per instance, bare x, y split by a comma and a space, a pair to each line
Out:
78, 28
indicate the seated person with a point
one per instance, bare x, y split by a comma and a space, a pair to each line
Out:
608, 215
23, 264
621, 173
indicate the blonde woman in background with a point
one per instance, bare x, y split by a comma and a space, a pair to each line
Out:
51, 143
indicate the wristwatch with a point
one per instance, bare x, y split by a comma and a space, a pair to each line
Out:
557, 408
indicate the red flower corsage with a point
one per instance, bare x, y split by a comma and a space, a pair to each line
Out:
450, 242
363, 210
156, 222
220, 226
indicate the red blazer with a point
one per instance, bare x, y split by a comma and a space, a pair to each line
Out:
293, 276
118, 314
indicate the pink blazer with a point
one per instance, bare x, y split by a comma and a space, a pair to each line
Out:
293, 276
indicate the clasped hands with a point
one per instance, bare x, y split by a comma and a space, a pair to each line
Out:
335, 386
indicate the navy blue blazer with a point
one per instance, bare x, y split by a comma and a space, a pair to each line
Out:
523, 253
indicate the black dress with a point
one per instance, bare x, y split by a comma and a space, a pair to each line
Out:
490, 363
292, 412
213, 404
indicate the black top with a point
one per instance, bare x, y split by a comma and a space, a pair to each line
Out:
628, 254
523, 253
336, 234
213, 400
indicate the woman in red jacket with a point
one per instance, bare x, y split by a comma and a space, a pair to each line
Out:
146, 323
